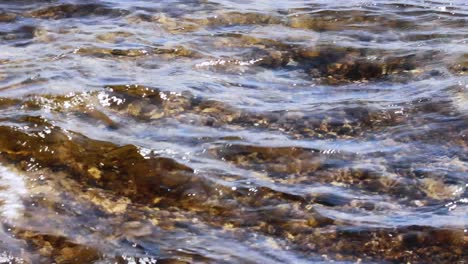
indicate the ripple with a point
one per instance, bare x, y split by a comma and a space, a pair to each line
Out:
233, 131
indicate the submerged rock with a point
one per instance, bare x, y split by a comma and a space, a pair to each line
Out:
74, 10
118, 168
7, 17
310, 132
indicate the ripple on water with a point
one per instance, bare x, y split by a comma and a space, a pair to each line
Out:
223, 131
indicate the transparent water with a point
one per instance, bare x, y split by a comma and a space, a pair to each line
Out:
233, 131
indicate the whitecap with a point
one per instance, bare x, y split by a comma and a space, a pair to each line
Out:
12, 189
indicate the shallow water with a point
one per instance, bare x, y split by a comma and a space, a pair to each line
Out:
197, 131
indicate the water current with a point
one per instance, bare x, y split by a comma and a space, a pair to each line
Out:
233, 131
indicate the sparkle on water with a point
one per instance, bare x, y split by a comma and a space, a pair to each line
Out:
225, 131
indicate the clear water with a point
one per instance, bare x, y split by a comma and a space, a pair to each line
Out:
233, 131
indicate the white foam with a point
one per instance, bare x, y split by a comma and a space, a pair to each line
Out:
12, 189
460, 101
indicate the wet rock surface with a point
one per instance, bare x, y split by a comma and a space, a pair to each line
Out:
229, 132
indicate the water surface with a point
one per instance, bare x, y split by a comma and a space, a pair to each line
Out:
197, 131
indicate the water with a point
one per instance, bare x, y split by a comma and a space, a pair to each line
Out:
222, 131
